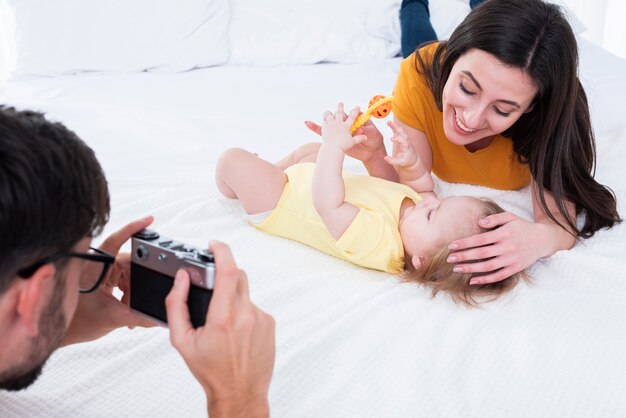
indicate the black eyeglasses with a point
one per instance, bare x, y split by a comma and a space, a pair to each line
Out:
86, 284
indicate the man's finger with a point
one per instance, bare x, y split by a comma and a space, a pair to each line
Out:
119, 272
177, 310
226, 274
115, 241
243, 289
137, 320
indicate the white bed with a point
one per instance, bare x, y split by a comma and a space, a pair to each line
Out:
350, 342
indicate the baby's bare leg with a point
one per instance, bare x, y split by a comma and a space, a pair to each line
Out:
304, 154
258, 184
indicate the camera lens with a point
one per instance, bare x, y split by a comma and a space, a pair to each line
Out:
141, 252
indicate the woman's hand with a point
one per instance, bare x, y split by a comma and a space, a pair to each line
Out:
502, 252
99, 312
370, 149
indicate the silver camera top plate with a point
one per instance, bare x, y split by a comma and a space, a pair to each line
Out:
166, 256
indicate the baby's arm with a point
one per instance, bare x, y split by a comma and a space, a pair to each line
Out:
328, 187
407, 163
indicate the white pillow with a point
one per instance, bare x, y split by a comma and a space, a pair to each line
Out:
293, 32
446, 15
69, 36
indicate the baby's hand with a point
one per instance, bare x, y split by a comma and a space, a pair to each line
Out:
336, 130
404, 154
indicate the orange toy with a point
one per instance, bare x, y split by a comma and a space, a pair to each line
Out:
379, 107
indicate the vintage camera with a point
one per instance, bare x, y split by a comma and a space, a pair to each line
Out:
155, 259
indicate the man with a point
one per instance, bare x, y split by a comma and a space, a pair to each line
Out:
56, 290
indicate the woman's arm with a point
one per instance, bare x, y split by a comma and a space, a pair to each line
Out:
515, 244
419, 143
328, 187
562, 239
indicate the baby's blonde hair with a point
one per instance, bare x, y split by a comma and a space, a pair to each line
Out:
437, 273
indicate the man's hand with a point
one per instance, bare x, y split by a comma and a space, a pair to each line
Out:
99, 312
232, 355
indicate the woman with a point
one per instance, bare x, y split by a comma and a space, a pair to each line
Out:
500, 105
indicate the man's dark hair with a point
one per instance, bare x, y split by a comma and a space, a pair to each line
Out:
53, 192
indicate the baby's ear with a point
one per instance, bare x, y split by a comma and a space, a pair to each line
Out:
417, 261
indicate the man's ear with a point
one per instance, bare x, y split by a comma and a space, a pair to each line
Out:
417, 261
32, 297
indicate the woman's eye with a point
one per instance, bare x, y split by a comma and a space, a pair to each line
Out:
501, 113
466, 91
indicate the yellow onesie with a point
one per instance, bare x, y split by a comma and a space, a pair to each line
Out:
372, 240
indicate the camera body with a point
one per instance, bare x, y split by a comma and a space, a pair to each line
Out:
154, 261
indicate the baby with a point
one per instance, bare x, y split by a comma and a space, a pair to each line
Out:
368, 221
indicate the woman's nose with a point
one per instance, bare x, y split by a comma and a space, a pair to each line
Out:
473, 117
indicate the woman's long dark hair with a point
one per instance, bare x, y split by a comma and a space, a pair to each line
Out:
555, 138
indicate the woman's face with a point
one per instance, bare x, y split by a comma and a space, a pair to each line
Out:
484, 97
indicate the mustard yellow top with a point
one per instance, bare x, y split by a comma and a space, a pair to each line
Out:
372, 240
414, 104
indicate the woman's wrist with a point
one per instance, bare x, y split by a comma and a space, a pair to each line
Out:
377, 166
550, 238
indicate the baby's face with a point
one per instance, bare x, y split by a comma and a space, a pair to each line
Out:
432, 223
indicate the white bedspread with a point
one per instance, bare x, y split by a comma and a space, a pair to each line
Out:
350, 342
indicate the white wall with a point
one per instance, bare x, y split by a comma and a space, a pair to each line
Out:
605, 21
7, 43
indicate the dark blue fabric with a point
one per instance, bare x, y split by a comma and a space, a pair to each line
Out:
415, 26
474, 3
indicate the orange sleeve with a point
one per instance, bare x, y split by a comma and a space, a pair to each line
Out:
407, 97
412, 98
